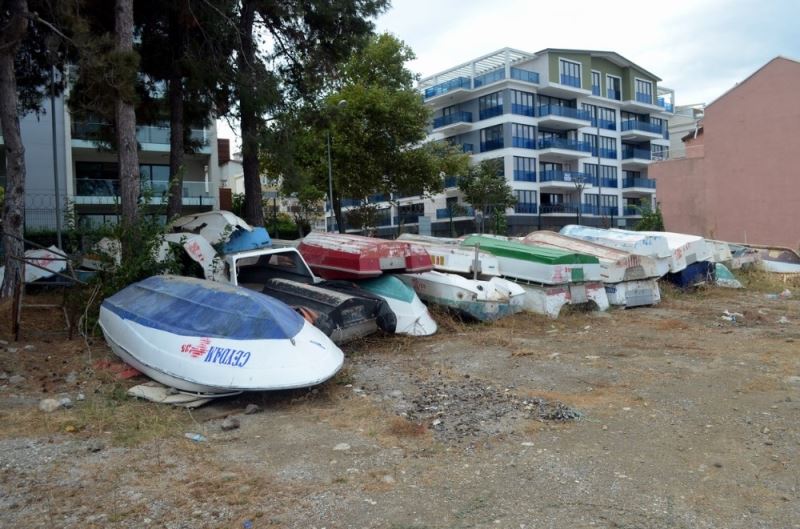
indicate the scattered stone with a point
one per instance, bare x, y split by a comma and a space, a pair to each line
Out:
526, 443
80, 396
396, 393
341, 447
3, 375
15, 380
228, 476
605, 427
765, 431
95, 445
3, 342
230, 423
29, 348
72, 378
784, 320
794, 379
251, 409
12, 349
49, 405
65, 402
388, 479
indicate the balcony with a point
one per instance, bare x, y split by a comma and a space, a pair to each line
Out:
595, 89
490, 77
642, 186
564, 179
605, 153
635, 157
106, 191
570, 80
522, 110
608, 124
641, 97
594, 209
525, 208
407, 218
458, 212
453, 123
637, 130
491, 145
468, 148
563, 118
459, 83
632, 211
490, 112
150, 137
523, 143
640, 102
613, 94
381, 197
611, 183
665, 105
556, 209
525, 75
524, 176
560, 149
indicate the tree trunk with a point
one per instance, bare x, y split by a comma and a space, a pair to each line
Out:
176, 121
126, 128
337, 213
14, 206
250, 119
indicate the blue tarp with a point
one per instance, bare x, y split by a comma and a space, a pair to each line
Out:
195, 307
243, 240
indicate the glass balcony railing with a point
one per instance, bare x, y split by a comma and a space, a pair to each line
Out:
571, 80
604, 182
447, 86
665, 105
595, 90
522, 110
109, 188
630, 211
490, 77
567, 112
561, 143
573, 177
491, 145
594, 209
639, 182
524, 176
490, 112
631, 152
635, 124
155, 134
614, 94
608, 124
468, 147
522, 207
661, 154
460, 211
605, 153
456, 117
568, 207
641, 97
523, 143
524, 75
407, 218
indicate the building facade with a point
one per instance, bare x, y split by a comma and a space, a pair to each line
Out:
739, 181
80, 174
574, 132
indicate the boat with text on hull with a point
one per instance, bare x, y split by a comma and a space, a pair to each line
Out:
206, 337
344, 256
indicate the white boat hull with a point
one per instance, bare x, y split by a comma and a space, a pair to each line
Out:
218, 365
633, 293
548, 300
413, 317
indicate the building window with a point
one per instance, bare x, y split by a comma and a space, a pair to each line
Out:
608, 146
595, 83
644, 91
608, 174
490, 105
521, 103
524, 169
523, 136
526, 202
614, 85
570, 72
492, 138
608, 117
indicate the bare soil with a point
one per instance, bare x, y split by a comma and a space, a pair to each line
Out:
655, 417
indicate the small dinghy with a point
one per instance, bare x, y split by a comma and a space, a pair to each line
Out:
475, 299
342, 256
412, 315
205, 337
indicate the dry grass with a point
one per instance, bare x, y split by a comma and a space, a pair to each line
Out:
402, 427
761, 281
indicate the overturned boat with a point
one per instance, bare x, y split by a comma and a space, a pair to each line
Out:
411, 313
205, 337
654, 246
472, 298
343, 256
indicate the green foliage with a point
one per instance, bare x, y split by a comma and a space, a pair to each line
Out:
237, 204
487, 191
651, 220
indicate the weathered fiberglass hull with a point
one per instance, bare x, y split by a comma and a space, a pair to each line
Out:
206, 337
411, 313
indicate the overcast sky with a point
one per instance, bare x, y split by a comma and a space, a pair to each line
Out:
699, 48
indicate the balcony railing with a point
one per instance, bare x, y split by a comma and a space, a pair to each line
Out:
545, 209
109, 188
89, 131
630, 152
605, 153
468, 147
594, 209
450, 181
381, 197
567, 112
639, 182
460, 211
351, 202
523, 143
665, 105
522, 110
632, 211
565, 176
491, 145
641, 97
595, 89
490, 77
661, 154
614, 94
456, 117
635, 124
522, 207
491, 112
524, 176
570, 80
561, 143
407, 218
447, 86
608, 124
525, 75
604, 182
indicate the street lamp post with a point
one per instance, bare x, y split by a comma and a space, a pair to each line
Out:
578, 180
340, 104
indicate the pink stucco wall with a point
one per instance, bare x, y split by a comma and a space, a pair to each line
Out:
746, 187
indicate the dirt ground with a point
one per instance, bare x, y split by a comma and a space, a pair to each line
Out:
663, 417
